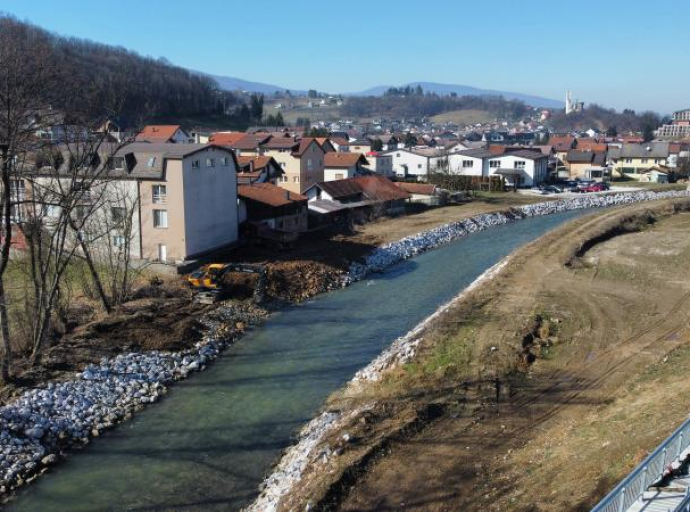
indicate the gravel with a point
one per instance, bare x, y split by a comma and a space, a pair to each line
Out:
37, 428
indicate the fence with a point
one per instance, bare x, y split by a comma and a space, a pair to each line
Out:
649, 471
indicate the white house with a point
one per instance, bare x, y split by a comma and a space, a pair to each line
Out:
417, 162
523, 168
340, 166
473, 162
380, 163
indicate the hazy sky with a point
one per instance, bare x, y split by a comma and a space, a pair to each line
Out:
620, 53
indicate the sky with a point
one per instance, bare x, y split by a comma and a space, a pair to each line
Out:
618, 53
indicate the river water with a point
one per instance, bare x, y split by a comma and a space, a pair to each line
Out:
210, 442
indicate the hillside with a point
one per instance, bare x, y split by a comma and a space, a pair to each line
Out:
465, 90
100, 79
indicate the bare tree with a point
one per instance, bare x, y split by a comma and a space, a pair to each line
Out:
29, 84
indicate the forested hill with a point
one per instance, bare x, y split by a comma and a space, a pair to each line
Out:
135, 87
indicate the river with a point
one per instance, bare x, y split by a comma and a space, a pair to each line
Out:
210, 442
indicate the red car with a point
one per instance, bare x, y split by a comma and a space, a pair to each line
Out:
594, 187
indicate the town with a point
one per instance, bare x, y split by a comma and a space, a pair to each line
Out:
219, 294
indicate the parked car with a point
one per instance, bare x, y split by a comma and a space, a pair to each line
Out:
594, 187
553, 189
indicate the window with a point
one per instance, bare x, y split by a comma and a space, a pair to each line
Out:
657, 160
494, 164
398, 155
467, 163
520, 164
151, 162
309, 163
195, 164
160, 194
628, 160
160, 218
51, 210
339, 176
118, 241
117, 214
295, 179
210, 162
645, 160
117, 163
419, 166
284, 179
224, 161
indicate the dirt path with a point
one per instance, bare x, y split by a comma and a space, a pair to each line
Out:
581, 398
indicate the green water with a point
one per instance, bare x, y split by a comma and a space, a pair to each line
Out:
208, 445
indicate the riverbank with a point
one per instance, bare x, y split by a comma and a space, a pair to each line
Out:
381, 419
154, 371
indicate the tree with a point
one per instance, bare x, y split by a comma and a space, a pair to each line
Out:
377, 145
410, 140
316, 132
256, 106
312, 93
31, 83
648, 133
612, 131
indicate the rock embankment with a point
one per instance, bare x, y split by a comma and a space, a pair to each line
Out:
310, 446
395, 252
38, 428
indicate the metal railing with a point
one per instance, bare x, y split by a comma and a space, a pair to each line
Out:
684, 505
649, 471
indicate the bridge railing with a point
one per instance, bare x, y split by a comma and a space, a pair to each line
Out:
649, 471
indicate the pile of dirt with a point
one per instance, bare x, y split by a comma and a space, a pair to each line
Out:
239, 285
294, 281
143, 324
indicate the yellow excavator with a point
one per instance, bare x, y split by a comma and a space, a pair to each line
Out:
207, 282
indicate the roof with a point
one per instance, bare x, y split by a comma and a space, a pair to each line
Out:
226, 138
287, 143
476, 153
376, 188
648, 150
257, 162
579, 156
158, 132
304, 143
250, 141
527, 153
268, 194
344, 160
426, 189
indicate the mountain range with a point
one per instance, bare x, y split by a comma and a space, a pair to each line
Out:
233, 84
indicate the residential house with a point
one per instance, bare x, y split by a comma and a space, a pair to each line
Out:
170, 133
339, 166
472, 162
631, 159
656, 174
183, 196
523, 168
586, 164
388, 141
302, 161
360, 146
380, 163
364, 195
417, 163
273, 206
561, 145
258, 169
